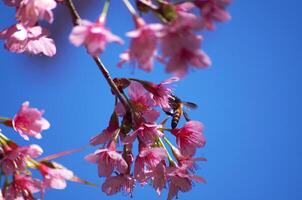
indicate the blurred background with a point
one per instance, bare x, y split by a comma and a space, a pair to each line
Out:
249, 100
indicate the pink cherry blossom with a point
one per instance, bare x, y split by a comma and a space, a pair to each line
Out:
115, 184
190, 137
107, 134
22, 187
92, 35
147, 133
29, 122
183, 53
108, 159
213, 10
15, 157
141, 102
30, 11
55, 176
19, 38
159, 177
160, 93
148, 159
143, 44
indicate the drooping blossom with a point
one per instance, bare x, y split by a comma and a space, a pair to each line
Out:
29, 122
119, 183
213, 11
30, 11
147, 160
180, 179
141, 102
34, 40
54, 175
21, 187
190, 137
147, 133
143, 44
15, 157
94, 36
107, 160
107, 134
160, 93
186, 52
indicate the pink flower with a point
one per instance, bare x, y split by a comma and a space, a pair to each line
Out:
183, 53
190, 137
115, 184
143, 44
55, 175
34, 40
29, 122
107, 134
93, 35
141, 102
22, 187
148, 159
159, 177
180, 180
147, 133
213, 10
30, 11
160, 93
108, 160
15, 157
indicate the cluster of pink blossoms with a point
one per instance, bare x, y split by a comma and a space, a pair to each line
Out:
175, 36
153, 163
16, 161
26, 35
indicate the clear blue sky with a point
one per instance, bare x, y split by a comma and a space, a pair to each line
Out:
249, 100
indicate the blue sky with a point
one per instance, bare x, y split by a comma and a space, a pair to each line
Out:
249, 100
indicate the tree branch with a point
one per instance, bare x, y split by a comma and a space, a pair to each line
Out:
76, 20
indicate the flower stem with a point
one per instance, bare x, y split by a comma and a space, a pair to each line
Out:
104, 12
163, 145
130, 7
76, 20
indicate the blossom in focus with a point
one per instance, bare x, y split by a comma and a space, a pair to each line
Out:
34, 40
119, 183
107, 134
141, 101
212, 11
55, 177
94, 36
189, 137
15, 157
160, 93
147, 133
29, 122
22, 187
30, 11
143, 44
147, 160
108, 159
